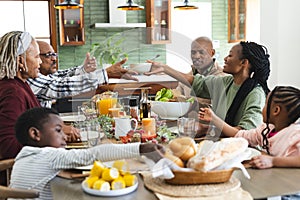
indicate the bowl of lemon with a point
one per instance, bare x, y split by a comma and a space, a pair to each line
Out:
115, 180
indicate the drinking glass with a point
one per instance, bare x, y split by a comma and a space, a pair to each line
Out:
93, 134
186, 126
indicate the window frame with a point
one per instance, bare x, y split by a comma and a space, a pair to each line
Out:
234, 18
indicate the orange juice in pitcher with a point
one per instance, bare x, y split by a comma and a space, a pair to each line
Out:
106, 101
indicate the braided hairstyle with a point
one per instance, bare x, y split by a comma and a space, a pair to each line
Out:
287, 96
9, 44
258, 57
35, 117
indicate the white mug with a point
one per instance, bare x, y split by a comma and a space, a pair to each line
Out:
123, 125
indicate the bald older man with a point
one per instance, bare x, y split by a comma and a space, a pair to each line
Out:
202, 55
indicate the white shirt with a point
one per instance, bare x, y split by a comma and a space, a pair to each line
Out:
35, 167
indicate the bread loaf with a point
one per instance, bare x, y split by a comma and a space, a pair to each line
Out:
222, 151
183, 147
175, 159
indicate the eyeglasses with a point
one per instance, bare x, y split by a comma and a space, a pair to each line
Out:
48, 55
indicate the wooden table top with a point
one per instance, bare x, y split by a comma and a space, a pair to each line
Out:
263, 183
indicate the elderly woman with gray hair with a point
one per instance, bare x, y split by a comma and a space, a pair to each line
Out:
19, 60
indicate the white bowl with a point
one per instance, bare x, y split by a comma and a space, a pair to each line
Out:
140, 67
170, 110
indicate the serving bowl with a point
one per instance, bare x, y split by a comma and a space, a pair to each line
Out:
140, 67
170, 110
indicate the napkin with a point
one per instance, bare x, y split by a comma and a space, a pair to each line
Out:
237, 162
163, 169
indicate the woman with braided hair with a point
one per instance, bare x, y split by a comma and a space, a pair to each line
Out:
279, 135
239, 97
19, 60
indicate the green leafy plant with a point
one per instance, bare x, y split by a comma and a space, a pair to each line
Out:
106, 125
108, 51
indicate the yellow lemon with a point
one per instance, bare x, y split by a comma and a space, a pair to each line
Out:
130, 180
110, 174
97, 169
101, 185
118, 184
122, 166
91, 180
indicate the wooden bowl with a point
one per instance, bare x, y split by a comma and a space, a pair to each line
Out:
198, 177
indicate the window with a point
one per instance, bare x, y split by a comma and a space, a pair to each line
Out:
34, 17
236, 20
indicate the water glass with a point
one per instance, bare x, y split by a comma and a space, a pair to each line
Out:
186, 126
93, 134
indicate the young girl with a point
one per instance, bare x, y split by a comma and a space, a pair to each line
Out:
279, 136
44, 155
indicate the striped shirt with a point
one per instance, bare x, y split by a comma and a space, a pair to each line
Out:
36, 167
66, 83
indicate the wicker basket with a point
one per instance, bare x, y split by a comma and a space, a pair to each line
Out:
191, 178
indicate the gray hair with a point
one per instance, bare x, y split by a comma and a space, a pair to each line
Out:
12, 44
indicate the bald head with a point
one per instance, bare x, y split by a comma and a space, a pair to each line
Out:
203, 40
202, 53
48, 65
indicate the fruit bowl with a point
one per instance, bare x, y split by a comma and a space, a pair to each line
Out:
170, 110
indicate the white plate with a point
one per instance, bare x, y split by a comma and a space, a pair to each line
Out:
169, 118
89, 167
92, 134
110, 193
73, 118
173, 129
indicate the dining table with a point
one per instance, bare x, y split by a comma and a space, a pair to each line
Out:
263, 183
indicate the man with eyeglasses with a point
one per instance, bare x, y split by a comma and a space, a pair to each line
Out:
52, 84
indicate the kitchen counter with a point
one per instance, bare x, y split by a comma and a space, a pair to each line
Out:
122, 86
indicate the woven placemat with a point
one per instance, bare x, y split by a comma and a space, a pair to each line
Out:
160, 186
236, 194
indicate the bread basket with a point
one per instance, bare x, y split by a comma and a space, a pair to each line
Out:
199, 177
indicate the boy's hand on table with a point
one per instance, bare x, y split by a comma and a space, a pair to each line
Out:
72, 133
153, 151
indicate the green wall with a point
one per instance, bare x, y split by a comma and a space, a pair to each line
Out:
134, 44
97, 11
219, 28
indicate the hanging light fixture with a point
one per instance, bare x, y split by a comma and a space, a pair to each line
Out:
130, 5
68, 4
185, 6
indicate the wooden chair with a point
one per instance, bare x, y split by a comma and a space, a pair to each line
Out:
7, 192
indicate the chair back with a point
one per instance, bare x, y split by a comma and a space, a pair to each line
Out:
7, 192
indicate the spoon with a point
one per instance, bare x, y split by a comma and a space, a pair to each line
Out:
155, 57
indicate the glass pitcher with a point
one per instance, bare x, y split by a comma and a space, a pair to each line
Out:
105, 101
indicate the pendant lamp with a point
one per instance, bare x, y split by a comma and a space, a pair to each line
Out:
185, 6
130, 5
68, 4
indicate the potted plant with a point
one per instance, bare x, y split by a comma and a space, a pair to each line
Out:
109, 51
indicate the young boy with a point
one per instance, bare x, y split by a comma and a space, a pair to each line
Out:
44, 155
